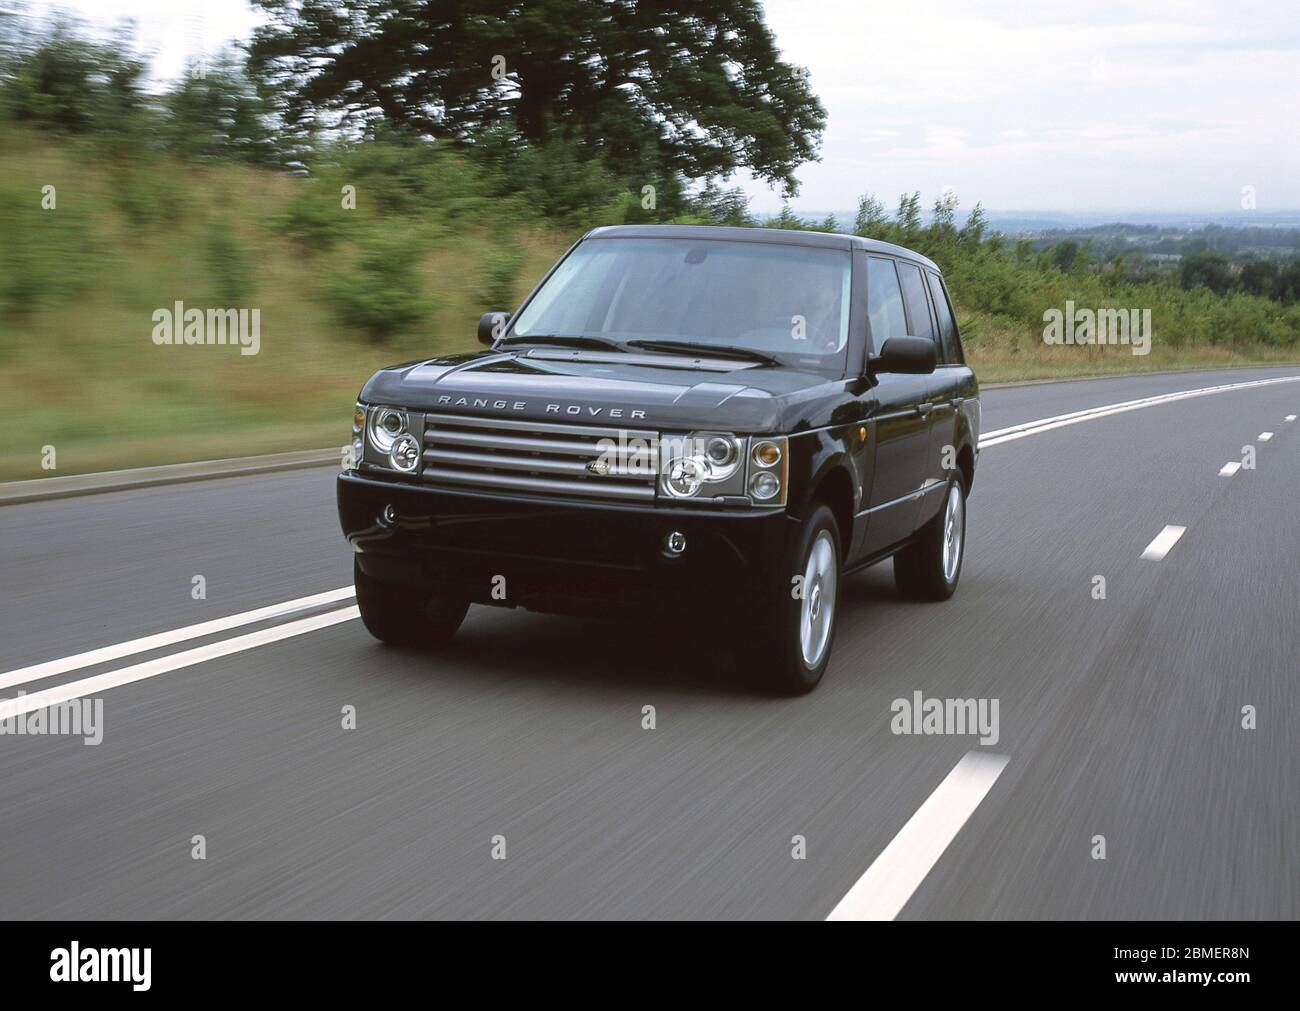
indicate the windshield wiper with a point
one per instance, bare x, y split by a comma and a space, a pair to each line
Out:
570, 340
717, 350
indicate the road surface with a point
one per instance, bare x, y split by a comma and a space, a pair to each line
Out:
1119, 718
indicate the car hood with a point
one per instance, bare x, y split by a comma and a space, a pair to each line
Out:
608, 388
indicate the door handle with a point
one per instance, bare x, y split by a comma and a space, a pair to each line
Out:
958, 401
924, 409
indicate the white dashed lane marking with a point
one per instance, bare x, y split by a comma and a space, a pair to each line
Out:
1229, 468
883, 891
1166, 539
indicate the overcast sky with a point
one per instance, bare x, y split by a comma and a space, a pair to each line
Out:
1085, 105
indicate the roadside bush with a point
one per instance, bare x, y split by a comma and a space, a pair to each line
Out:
381, 293
45, 256
231, 265
500, 273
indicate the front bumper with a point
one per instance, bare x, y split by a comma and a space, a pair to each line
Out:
566, 557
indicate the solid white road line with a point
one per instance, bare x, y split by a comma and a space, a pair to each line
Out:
889, 882
152, 668
1229, 468
1289, 417
50, 668
1020, 431
1265, 436
1163, 541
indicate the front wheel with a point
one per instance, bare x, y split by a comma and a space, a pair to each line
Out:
789, 644
929, 567
406, 615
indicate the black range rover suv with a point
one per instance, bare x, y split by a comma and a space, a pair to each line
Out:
704, 425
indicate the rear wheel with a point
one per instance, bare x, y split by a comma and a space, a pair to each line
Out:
788, 646
406, 615
929, 567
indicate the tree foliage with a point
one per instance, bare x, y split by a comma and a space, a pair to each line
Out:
650, 88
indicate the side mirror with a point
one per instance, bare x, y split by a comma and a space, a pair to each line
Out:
913, 356
492, 325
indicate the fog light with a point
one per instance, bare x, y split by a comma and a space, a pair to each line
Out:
674, 544
389, 516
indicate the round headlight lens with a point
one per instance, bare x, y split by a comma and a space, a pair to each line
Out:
405, 454
720, 452
385, 426
766, 454
764, 486
685, 476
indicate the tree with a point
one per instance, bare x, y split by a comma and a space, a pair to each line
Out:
1257, 277
722, 206
787, 219
64, 82
871, 222
659, 88
908, 218
1211, 270
1065, 255
218, 113
972, 233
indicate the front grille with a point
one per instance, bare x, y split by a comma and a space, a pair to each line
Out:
531, 457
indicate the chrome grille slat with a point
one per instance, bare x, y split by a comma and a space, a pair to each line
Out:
575, 431
514, 442
529, 456
500, 461
587, 489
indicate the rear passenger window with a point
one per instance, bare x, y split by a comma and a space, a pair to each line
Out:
914, 294
947, 328
884, 301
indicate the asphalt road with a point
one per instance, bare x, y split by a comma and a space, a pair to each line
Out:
1119, 718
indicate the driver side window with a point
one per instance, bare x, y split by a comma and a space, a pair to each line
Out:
884, 302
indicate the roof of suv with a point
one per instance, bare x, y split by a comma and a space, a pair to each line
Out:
783, 236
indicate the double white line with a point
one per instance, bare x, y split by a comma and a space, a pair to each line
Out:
1013, 432
186, 658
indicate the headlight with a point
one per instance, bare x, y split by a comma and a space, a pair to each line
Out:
392, 437
386, 424
405, 454
712, 465
684, 476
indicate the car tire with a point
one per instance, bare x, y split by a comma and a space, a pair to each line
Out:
929, 567
788, 646
406, 615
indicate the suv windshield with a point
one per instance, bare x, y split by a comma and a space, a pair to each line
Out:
783, 300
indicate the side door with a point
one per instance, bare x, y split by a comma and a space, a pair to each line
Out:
900, 431
938, 411
953, 389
